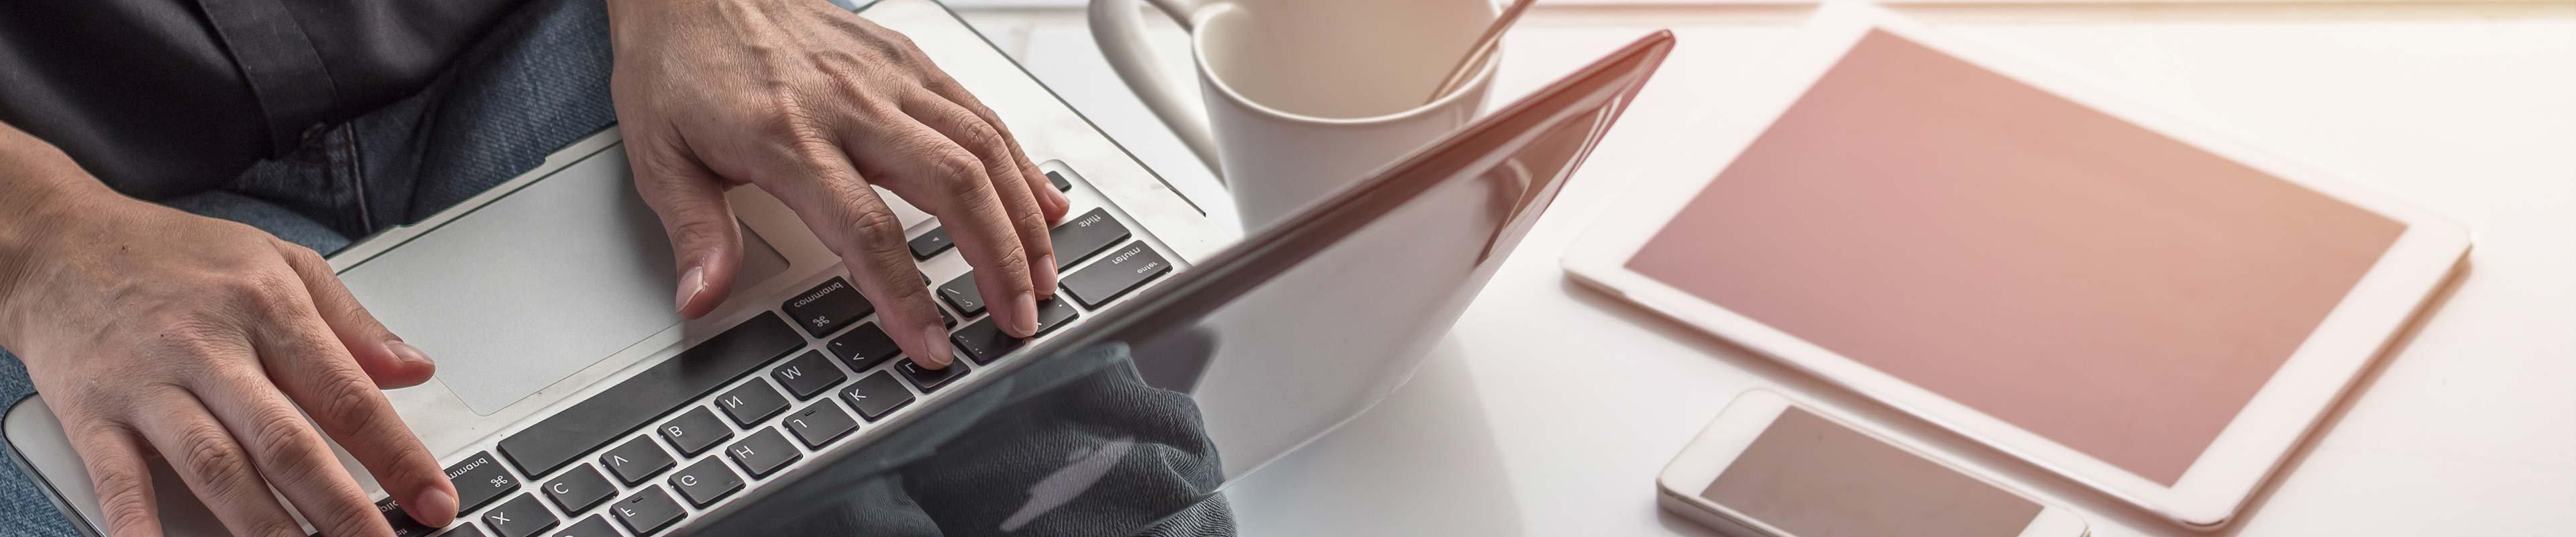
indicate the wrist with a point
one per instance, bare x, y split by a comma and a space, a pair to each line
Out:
639, 19
42, 194
644, 24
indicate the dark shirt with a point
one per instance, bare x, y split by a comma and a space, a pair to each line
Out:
166, 97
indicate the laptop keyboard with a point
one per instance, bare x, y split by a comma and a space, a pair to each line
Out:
698, 428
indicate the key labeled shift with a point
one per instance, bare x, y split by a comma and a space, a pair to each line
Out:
1084, 236
1121, 271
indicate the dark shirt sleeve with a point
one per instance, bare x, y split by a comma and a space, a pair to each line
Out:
140, 92
166, 97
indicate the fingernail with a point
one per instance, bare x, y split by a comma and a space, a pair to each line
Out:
1028, 315
434, 503
941, 354
1046, 276
1060, 200
692, 283
406, 352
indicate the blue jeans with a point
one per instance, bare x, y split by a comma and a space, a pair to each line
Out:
536, 82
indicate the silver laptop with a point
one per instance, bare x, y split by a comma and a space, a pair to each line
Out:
570, 400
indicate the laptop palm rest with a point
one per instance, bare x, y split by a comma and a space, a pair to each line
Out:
537, 285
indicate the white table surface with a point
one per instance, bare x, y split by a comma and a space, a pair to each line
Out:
1550, 408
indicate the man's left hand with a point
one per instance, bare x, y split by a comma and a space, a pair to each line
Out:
814, 105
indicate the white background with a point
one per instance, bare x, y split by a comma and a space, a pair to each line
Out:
1550, 408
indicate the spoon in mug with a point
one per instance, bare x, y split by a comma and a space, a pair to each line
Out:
1483, 48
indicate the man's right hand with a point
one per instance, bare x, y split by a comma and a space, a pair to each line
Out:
153, 331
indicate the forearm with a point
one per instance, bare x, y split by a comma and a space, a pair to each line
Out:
32, 171
37, 184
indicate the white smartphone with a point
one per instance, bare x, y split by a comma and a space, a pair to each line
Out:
1771, 467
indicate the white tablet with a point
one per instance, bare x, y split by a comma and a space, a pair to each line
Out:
2144, 308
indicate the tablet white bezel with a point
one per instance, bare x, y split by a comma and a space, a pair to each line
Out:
2244, 454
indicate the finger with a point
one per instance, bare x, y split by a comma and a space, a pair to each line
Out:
1029, 219
388, 361
214, 466
313, 373
831, 198
941, 176
335, 393
113, 455
1053, 201
704, 239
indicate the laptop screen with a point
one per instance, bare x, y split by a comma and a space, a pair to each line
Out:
1132, 423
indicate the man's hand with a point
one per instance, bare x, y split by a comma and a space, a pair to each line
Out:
153, 332
815, 105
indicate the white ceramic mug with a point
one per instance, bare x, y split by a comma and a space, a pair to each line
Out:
1304, 96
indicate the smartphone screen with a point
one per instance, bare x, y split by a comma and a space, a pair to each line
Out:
1812, 477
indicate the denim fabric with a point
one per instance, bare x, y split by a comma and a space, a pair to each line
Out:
539, 83
535, 83
24, 509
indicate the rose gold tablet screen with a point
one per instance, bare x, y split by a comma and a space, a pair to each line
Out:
1815, 478
2112, 289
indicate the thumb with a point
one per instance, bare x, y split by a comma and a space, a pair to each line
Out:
385, 357
705, 242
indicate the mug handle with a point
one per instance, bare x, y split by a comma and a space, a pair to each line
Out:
1120, 33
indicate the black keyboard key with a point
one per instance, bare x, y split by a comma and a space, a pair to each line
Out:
1052, 314
647, 511
1057, 179
964, 295
876, 395
828, 307
1115, 275
929, 380
751, 403
762, 452
579, 431
480, 480
931, 243
636, 460
1083, 236
808, 375
820, 424
864, 347
694, 431
464, 529
984, 341
403, 525
579, 489
705, 482
520, 517
595, 526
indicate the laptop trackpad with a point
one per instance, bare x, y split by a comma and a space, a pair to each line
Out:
537, 286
